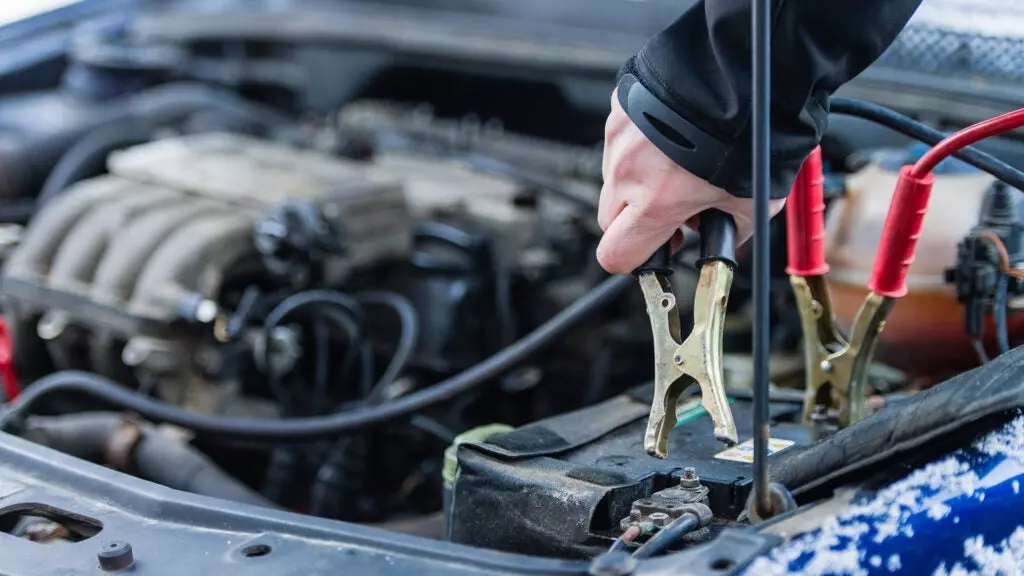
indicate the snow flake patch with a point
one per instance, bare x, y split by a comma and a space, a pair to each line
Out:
834, 547
1003, 559
938, 511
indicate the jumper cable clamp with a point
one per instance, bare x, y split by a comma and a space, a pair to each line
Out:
679, 363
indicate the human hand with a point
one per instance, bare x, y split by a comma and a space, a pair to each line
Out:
647, 197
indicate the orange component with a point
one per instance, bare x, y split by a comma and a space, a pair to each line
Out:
924, 334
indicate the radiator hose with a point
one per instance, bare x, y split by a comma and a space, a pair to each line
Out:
140, 449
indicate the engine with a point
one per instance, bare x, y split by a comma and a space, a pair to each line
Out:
287, 275
335, 261
121, 274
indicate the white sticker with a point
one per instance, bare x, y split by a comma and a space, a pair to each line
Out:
745, 452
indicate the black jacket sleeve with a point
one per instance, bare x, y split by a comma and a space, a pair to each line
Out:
689, 88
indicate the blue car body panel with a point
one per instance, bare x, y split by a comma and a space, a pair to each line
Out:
963, 514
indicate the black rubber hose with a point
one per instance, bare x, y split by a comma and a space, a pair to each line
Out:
155, 457
919, 131
292, 305
667, 536
409, 333
301, 429
354, 350
88, 156
321, 370
24, 167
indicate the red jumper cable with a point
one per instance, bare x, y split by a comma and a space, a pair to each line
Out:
836, 367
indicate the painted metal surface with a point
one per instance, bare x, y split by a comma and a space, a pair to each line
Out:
958, 516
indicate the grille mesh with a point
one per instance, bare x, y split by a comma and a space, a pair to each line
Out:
965, 38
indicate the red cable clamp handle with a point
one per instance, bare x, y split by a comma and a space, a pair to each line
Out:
910, 204
805, 220
901, 232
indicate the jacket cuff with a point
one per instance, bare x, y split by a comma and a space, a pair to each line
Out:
725, 164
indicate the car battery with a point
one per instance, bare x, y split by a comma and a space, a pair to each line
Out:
563, 486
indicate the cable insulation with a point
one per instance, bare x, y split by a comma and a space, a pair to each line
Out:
962, 138
761, 48
924, 133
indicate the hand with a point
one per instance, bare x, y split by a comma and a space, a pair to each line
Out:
647, 197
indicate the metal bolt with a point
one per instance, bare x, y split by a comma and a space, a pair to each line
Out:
678, 359
612, 564
826, 366
115, 556
658, 518
690, 481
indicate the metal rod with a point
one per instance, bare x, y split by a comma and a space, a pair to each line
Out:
761, 64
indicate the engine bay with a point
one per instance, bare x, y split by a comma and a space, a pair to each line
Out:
294, 303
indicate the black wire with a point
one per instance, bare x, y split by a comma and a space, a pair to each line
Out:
999, 312
918, 131
761, 120
668, 535
408, 334
321, 373
353, 350
434, 428
300, 429
289, 306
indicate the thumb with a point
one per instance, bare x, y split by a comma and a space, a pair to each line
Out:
630, 240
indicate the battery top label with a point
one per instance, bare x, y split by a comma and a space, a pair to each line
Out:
745, 452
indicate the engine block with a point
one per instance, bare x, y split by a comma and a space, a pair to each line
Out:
120, 268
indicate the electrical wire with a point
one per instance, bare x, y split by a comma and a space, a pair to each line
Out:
999, 313
622, 543
760, 24
924, 133
962, 138
293, 304
667, 536
434, 428
409, 333
322, 337
1004, 255
300, 429
354, 350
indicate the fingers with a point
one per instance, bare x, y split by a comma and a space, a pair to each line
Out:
742, 211
609, 206
677, 241
630, 240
